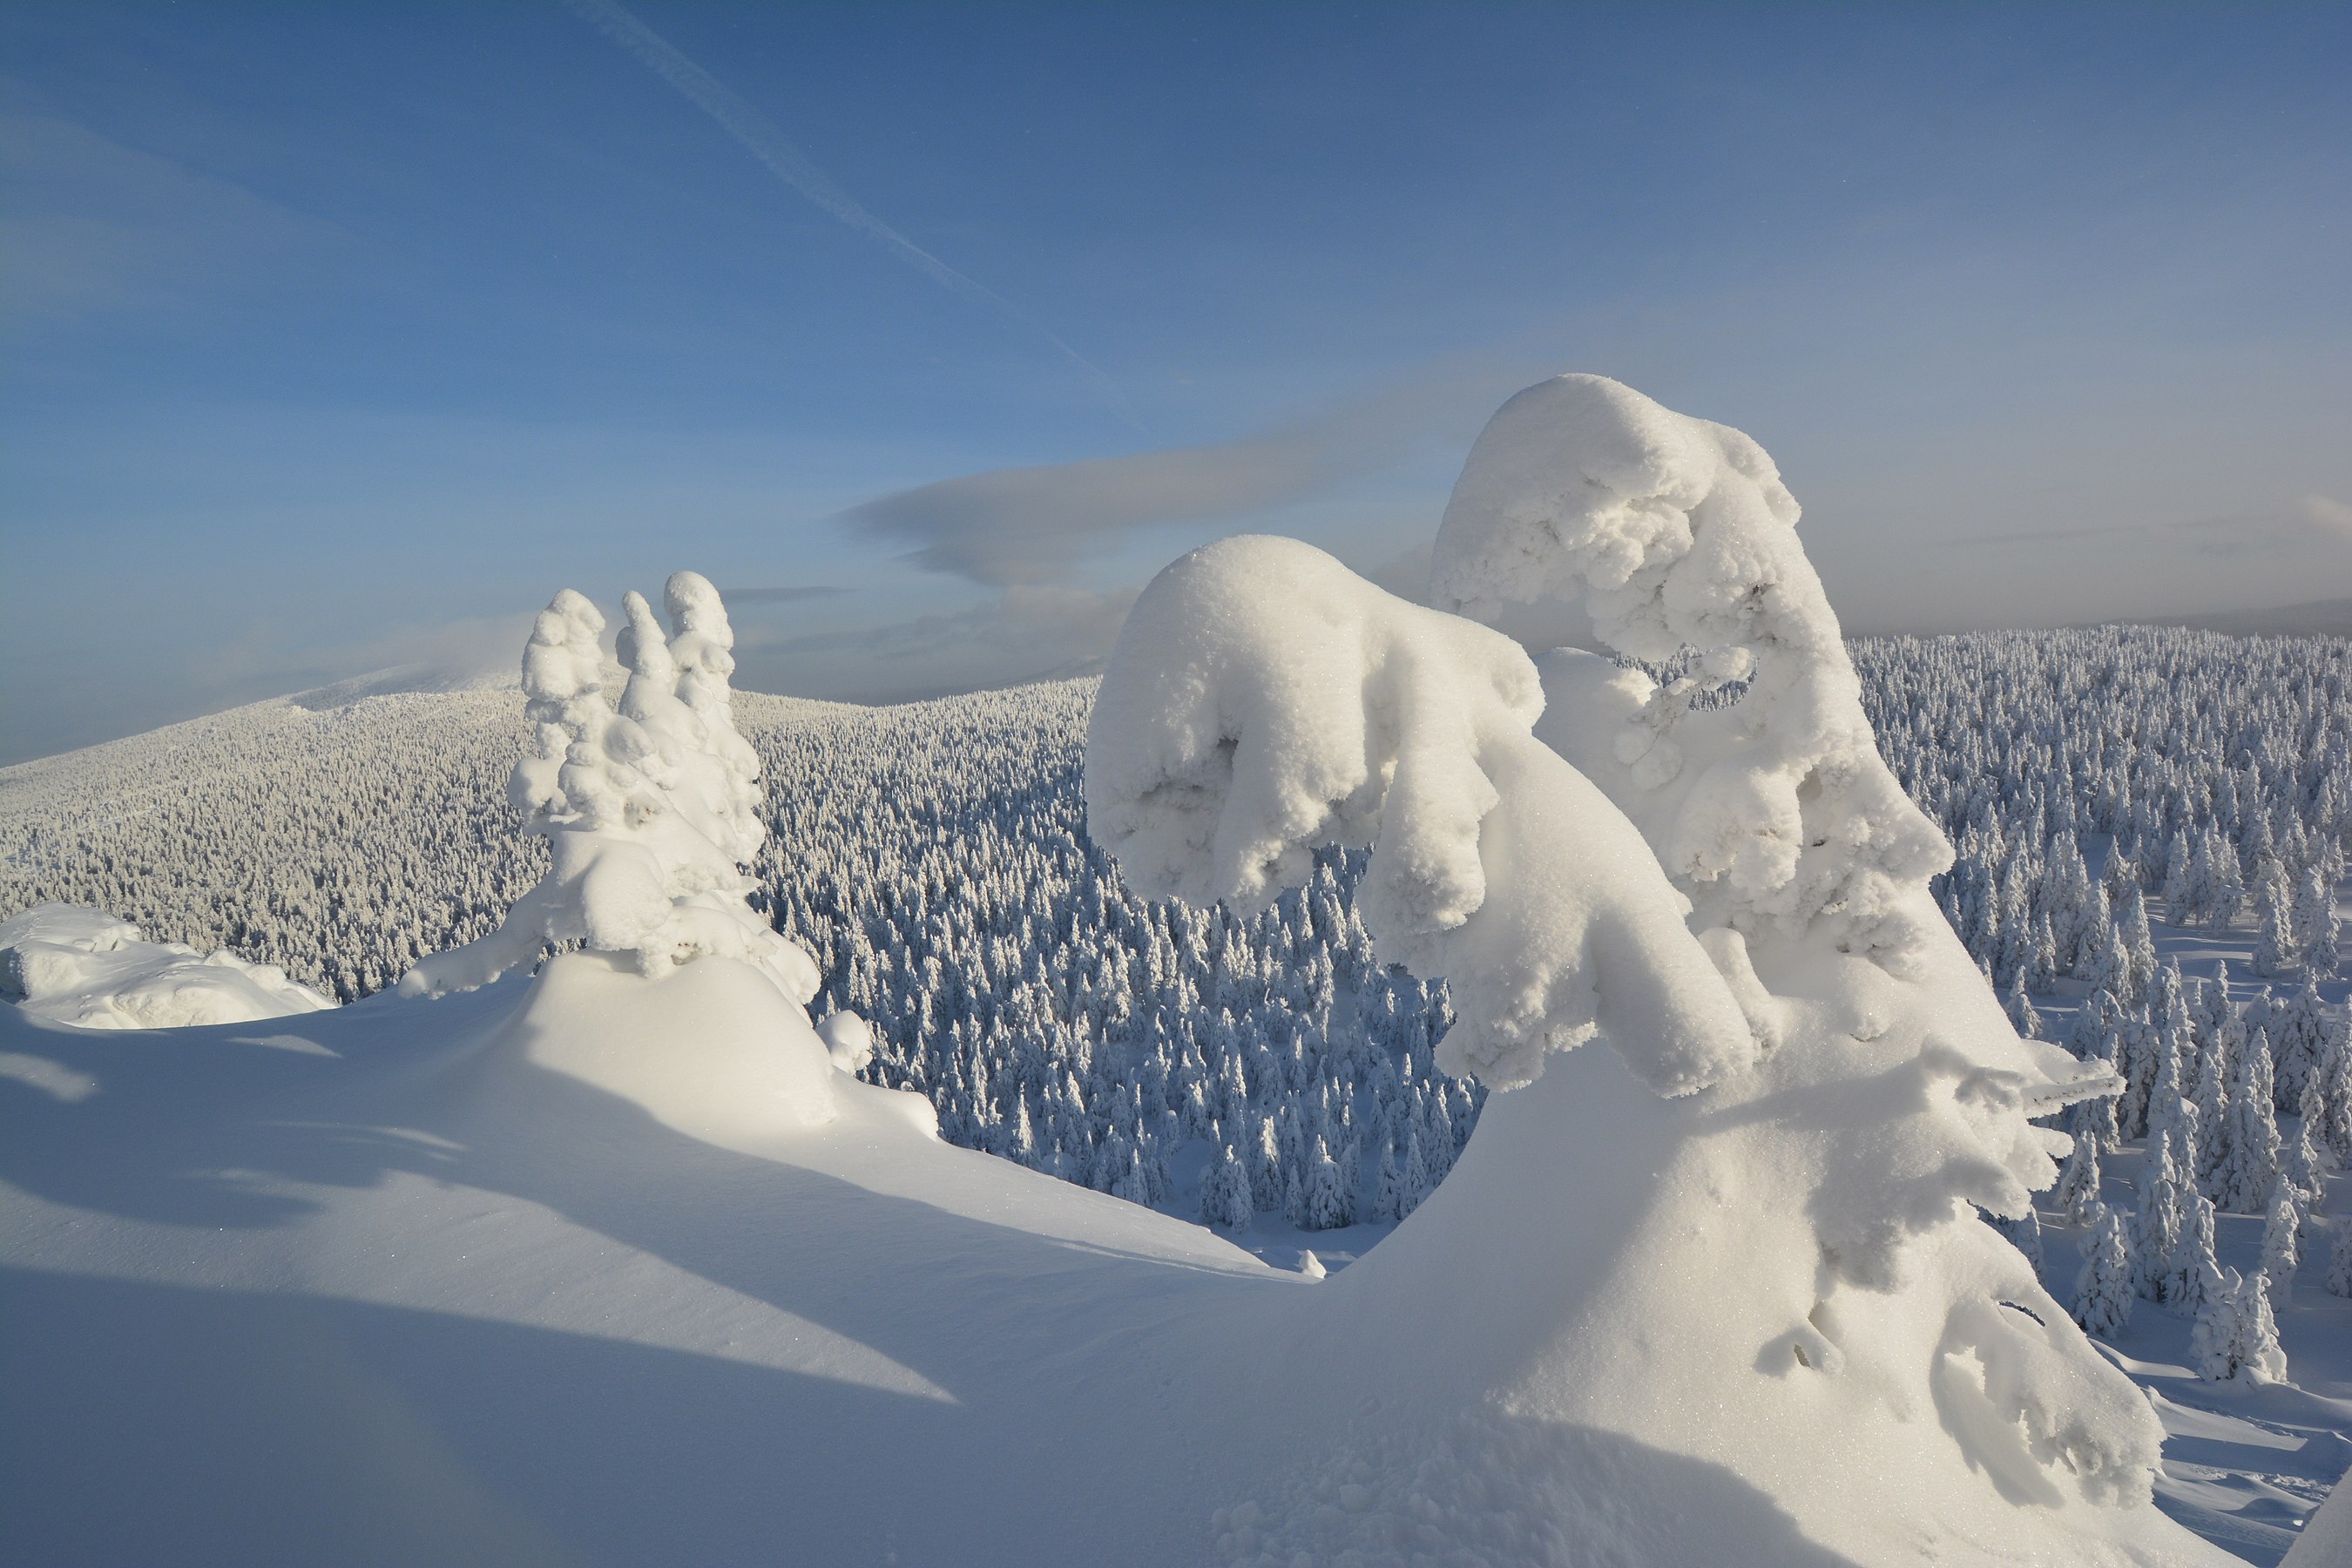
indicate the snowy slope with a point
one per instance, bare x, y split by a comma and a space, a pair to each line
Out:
529, 1275
448, 1282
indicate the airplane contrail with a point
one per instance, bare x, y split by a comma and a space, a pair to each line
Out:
789, 164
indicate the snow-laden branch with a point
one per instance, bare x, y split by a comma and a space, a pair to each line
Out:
1264, 700
1676, 532
649, 805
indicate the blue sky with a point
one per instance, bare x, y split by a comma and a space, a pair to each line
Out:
339, 337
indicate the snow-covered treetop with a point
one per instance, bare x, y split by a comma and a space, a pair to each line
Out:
1676, 534
1264, 700
650, 803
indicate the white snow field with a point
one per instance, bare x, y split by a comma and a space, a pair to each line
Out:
620, 1263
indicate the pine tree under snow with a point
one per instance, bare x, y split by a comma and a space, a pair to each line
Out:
2317, 926
2250, 1164
2077, 1195
2192, 1274
2299, 1164
2159, 1216
2104, 1289
2282, 1240
2022, 1016
2236, 1336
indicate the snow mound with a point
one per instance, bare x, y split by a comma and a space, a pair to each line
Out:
649, 803
1677, 533
84, 967
1263, 701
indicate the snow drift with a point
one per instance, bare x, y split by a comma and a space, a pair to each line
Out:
84, 967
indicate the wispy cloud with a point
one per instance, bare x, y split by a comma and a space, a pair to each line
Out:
91, 225
734, 597
759, 137
2311, 518
1025, 633
1040, 524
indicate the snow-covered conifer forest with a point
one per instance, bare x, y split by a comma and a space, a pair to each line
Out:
2151, 828
934, 858
1264, 1074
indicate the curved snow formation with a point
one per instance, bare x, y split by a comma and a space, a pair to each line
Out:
1676, 534
649, 799
85, 967
1758, 1251
1264, 700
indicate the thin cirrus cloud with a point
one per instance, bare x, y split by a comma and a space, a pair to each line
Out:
93, 226
760, 138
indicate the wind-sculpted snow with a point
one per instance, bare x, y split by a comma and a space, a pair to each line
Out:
84, 967
648, 805
1790, 1250
1676, 534
1263, 702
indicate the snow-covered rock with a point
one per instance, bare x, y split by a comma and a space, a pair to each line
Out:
84, 967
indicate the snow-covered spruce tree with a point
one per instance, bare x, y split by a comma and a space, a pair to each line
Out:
2316, 923
2282, 1240
2299, 1162
2103, 1290
2333, 1133
2250, 1164
648, 804
2173, 1124
2139, 944
2276, 951
1263, 700
2298, 1034
2022, 1015
2192, 1274
2339, 1259
2077, 1192
2236, 1334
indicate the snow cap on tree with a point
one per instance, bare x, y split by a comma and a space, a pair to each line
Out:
1263, 701
649, 803
1674, 532
2103, 1290
2282, 1240
2236, 1335
2316, 926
